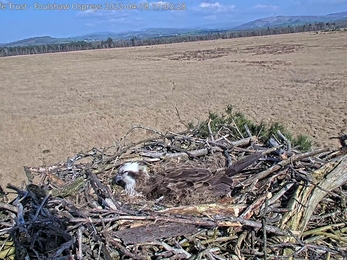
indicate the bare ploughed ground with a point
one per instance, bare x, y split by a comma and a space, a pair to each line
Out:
55, 105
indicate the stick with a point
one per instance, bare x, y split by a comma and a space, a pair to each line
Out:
227, 222
278, 166
8, 207
124, 250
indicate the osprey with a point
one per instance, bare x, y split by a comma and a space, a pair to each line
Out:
181, 181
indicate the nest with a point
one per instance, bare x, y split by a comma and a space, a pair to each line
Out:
288, 204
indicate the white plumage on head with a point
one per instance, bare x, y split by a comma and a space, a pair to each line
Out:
127, 175
130, 167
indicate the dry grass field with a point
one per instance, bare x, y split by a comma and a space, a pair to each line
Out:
55, 105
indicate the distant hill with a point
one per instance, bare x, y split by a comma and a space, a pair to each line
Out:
35, 41
144, 33
338, 15
147, 33
101, 36
278, 21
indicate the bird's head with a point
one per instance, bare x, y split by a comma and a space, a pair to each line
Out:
128, 174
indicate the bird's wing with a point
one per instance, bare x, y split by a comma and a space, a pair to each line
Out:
243, 164
188, 174
179, 180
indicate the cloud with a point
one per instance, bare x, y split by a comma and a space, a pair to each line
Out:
104, 14
266, 7
105, 17
159, 3
154, 3
215, 7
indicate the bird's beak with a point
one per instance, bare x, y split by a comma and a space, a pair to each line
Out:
118, 179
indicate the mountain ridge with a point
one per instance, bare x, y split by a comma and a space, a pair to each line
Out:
277, 21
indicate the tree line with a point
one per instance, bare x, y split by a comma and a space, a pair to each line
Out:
135, 41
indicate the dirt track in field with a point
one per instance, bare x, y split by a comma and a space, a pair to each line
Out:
55, 105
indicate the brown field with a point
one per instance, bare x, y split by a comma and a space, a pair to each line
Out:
55, 105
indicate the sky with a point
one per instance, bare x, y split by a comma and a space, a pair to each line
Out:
20, 19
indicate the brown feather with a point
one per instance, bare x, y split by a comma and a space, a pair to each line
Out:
188, 181
181, 183
243, 164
